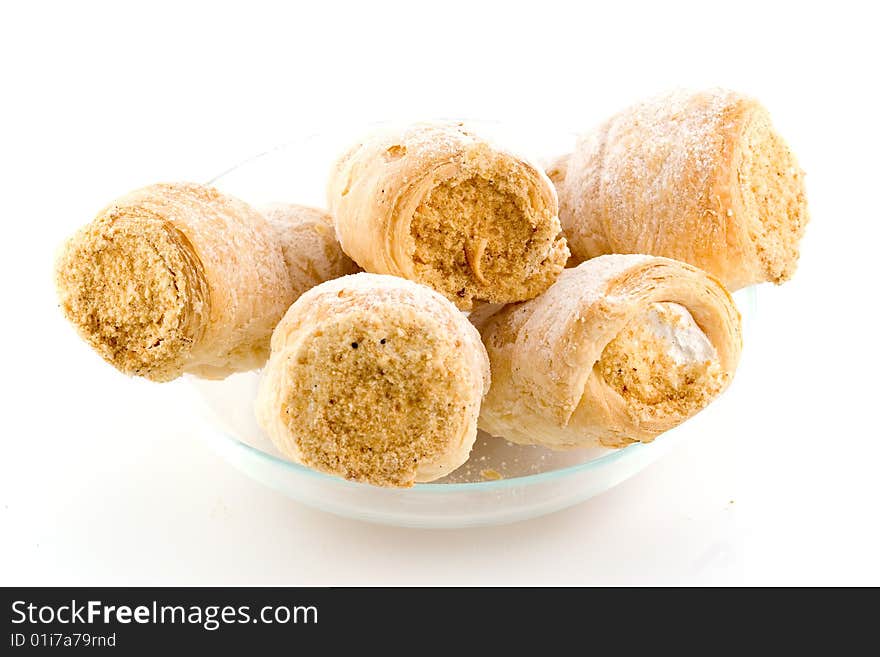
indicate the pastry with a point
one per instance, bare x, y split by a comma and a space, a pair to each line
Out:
701, 177
376, 379
557, 168
439, 205
176, 278
308, 243
618, 350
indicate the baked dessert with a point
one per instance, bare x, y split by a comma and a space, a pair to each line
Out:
176, 278
308, 243
557, 168
439, 205
701, 177
376, 379
618, 350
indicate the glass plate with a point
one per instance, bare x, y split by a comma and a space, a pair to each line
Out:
534, 481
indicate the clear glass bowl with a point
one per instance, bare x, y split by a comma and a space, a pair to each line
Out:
533, 481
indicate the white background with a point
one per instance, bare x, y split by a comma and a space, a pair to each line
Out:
103, 479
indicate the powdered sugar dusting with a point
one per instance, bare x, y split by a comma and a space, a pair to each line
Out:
643, 181
680, 135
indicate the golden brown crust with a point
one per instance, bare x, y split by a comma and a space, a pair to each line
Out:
175, 278
557, 360
439, 205
376, 379
700, 177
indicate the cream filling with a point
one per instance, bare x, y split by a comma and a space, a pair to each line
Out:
675, 328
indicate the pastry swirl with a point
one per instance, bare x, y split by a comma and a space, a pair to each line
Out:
375, 379
700, 177
176, 278
439, 205
619, 349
